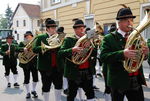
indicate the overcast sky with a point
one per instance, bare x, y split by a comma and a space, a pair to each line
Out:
13, 4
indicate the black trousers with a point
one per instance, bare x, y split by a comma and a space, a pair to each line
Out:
27, 72
13, 69
107, 89
84, 81
49, 77
133, 93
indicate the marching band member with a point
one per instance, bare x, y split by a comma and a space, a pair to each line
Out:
77, 75
48, 62
10, 60
31, 66
107, 90
113, 54
60, 30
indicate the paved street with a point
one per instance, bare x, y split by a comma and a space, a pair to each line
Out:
13, 94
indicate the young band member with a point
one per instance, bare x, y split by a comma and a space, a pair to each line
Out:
8, 51
60, 30
77, 75
113, 54
31, 66
48, 62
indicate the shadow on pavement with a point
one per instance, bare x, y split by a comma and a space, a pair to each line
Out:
34, 99
13, 91
146, 99
146, 89
99, 94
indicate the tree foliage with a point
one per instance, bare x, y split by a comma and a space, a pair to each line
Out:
8, 15
5, 20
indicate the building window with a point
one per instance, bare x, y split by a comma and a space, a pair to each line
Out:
107, 27
57, 23
38, 23
89, 21
24, 22
146, 32
17, 23
55, 1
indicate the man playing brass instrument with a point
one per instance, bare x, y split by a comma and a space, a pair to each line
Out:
113, 53
48, 62
31, 66
77, 75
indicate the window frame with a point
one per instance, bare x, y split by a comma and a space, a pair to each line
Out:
55, 1
24, 23
17, 23
145, 33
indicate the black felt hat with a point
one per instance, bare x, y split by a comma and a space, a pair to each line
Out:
60, 30
50, 23
28, 33
79, 23
9, 37
124, 13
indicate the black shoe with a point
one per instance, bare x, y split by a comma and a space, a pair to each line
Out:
34, 94
28, 96
9, 85
66, 91
95, 88
16, 85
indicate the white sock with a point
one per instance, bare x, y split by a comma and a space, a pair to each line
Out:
46, 96
125, 98
93, 80
27, 86
107, 97
15, 78
34, 85
65, 83
80, 94
7, 78
91, 99
57, 95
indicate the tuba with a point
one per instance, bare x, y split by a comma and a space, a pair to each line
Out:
25, 57
93, 36
135, 41
54, 41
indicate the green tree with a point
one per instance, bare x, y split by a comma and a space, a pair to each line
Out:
8, 15
3, 22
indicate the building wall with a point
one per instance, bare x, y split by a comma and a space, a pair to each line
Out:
104, 11
31, 24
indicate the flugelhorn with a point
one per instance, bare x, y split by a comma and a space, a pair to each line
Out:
135, 41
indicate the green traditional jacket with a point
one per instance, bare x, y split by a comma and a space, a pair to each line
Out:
9, 59
112, 56
20, 48
44, 60
71, 70
148, 43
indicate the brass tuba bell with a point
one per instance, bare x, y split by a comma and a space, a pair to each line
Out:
54, 41
93, 36
136, 41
